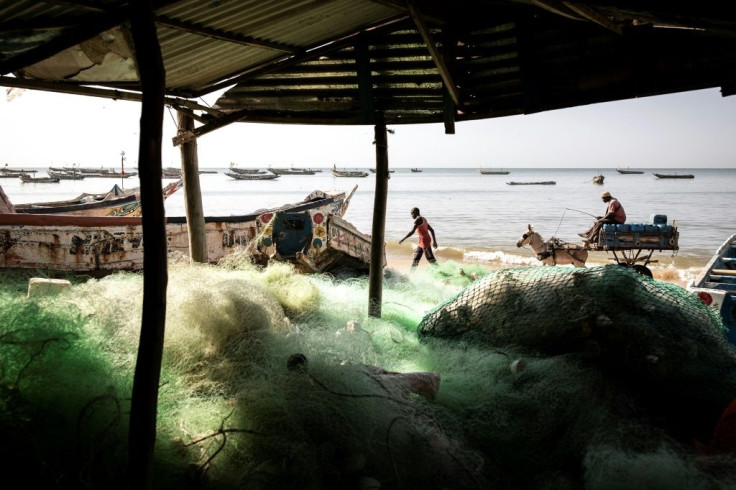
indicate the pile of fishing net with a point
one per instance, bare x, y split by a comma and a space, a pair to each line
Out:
669, 347
272, 379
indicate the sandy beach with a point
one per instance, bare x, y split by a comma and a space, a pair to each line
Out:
400, 260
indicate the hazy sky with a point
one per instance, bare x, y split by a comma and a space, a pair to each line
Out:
688, 130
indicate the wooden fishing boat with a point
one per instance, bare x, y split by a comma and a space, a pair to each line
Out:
716, 285
310, 234
627, 171
66, 175
674, 176
115, 202
416, 170
7, 172
27, 179
265, 176
492, 172
248, 171
598, 179
545, 182
348, 173
291, 171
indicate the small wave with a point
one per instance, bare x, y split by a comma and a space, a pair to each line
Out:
498, 258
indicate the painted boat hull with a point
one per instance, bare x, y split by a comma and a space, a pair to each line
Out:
108, 244
716, 285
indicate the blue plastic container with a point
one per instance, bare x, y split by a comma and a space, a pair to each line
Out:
658, 219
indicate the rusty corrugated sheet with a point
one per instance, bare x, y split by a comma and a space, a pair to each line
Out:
503, 57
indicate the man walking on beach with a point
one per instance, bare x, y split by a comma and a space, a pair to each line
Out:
615, 214
423, 229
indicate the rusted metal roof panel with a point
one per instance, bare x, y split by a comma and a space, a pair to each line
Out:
341, 61
202, 43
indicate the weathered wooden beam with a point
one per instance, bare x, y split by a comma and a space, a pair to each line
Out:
593, 16
434, 52
192, 194
378, 233
365, 81
144, 401
449, 44
70, 88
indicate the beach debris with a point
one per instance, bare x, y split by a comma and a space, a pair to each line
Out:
517, 366
297, 362
41, 286
351, 327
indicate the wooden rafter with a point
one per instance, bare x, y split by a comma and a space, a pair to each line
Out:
69, 88
593, 16
434, 52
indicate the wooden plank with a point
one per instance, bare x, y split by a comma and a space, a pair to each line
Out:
724, 272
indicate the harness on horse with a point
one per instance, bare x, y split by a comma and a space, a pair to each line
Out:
551, 246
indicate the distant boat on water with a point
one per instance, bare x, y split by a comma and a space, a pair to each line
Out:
545, 182
292, 171
348, 173
264, 176
39, 180
627, 171
674, 176
492, 172
10, 172
416, 170
598, 179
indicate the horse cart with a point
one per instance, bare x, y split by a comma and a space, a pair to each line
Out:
632, 245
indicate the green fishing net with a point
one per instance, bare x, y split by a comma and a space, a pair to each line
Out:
659, 334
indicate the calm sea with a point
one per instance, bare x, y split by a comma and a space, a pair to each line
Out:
476, 217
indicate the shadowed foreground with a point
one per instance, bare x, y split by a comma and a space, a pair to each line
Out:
238, 409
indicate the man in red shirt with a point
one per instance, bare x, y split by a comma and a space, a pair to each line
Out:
423, 229
615, 214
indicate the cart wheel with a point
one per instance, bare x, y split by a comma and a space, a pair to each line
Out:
643, 270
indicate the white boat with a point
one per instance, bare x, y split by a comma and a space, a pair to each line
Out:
716, 285
264, 176
348, 173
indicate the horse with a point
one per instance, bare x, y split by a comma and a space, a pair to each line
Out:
554, 251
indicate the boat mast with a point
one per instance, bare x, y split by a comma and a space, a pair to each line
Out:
122, 169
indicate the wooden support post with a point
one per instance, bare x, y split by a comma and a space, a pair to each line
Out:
144, 402
192, 192
375, 284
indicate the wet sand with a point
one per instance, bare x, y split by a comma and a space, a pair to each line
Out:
401, 262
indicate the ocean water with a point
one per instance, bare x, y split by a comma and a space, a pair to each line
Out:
476, 217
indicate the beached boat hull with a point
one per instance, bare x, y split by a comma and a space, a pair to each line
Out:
108, 244
716, 285
116, 202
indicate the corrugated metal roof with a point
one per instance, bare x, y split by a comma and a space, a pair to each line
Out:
339, 61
